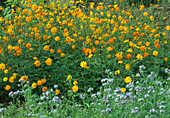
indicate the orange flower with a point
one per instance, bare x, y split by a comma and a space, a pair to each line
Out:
111, 41
48, 25
44, 89
147, 44
43, 81
7, 87
19, 41
57, 92
54, 30
88, 40
34, 7
59, 51
156, 41
24, 78
142, 34
11, 79
62, 54
111, 9
28, 45
135, 33
96, 42
39, 82
37, 63
46, 47
93, 49
127, 67
49, 61
142, 48
52, 50
109, 49
119, 56
109, 56
128, 56
166, 59
73, 46
145, 54
29, 0
157, 45
28, 19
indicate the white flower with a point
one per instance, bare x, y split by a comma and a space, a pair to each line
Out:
55, 86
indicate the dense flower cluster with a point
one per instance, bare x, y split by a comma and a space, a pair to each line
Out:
53, 41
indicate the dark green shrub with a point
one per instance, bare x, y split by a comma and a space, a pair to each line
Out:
7, 6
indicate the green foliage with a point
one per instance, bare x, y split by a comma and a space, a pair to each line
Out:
7, 7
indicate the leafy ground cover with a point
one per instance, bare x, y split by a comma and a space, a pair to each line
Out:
74, 60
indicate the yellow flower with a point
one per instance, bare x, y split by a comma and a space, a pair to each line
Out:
5, 79
168, 27
117, 72
57, 92
73, 46
2, 66
123, 89
90, 56
83, 64
155, 53
37, 63
166, 42
34, 85
119, 55
151, 18
128, 79
6, 71
145, 14
127, 67
35, 58
57, 38
75, 88
139, 56
1, 18
75, 82
120, 62
164, 18
130, 50
69, 77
